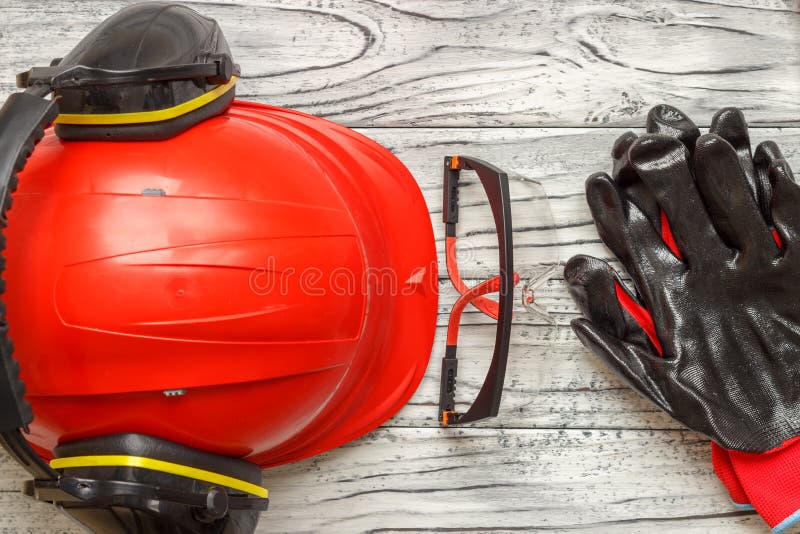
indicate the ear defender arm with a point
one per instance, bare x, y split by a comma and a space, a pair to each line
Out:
23, 119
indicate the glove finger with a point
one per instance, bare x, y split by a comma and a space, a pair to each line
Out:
627, 181
663, 164
785, 199
606, 302
729, 123
663, 119
668, 120
765, 155
626, 231
627, 360
671, 121
622, 172
729, 199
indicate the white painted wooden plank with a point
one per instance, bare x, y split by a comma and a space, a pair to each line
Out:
454, 63
21, 515
481, 479
430, 480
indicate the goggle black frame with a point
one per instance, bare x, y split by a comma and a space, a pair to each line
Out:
495, 184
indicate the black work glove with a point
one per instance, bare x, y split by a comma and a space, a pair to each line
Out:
720, 296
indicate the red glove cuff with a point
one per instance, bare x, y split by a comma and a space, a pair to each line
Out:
723, 466
770, 480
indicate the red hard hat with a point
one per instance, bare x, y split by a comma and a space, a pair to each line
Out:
195, 287
261, 286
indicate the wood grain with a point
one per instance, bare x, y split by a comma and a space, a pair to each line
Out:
540, 88
453, 63
573, 448
482, 480
485, 479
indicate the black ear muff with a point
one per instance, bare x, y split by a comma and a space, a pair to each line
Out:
118, 84
109, 483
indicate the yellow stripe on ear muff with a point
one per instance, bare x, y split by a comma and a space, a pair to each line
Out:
138, 117
119, 460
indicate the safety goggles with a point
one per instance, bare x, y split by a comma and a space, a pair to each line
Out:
495, 211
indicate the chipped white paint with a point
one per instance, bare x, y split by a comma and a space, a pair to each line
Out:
582, 453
